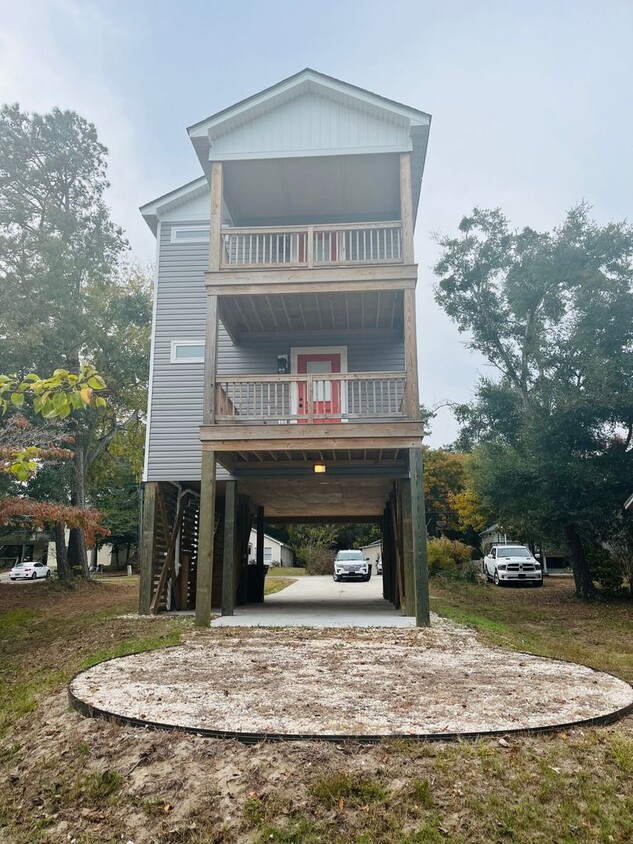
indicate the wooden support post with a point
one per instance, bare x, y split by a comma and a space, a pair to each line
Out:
210, 360
412, 398
408, 547
406, 208
230, 547
260, 536
206, 529
416, 471
215, 233
147, 547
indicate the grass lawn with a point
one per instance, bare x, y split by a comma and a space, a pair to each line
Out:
286, 571
64, 778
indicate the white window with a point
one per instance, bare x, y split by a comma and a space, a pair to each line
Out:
190, 234
268, 554
187, 351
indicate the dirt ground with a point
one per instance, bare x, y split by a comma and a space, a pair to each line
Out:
348, 682
71, 780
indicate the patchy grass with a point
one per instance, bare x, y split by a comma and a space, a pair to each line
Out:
286, 571
277, 584
549, 621
64, 777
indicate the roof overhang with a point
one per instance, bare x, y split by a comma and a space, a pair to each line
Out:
205, 133
153, 211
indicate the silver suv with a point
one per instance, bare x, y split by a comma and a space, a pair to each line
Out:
352, 565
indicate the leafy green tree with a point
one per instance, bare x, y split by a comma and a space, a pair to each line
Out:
553, 313
65, 295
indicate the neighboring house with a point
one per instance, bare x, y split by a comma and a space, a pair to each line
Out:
276, 553
373, 551
283, 380
23, 545
102, 558
552, 559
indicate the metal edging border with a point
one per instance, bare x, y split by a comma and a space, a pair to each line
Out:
89, 711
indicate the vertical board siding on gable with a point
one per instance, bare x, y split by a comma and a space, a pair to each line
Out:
311, 123
176, 413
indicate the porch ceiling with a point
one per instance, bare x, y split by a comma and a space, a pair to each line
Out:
319, 497
368, 310
324, 189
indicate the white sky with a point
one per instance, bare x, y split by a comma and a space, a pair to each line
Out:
532, 104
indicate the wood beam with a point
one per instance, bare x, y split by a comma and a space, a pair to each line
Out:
210, 360
230, 546
206, 528
148, 538
412, 398
422, 613
406, 207
260, 537
215, 234
404, 492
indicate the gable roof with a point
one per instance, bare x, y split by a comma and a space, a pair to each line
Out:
412, 124
305, 80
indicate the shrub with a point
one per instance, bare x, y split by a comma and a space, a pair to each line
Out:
605, 570
450, 558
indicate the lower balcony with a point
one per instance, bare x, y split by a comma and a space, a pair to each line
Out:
283, 425
304, 399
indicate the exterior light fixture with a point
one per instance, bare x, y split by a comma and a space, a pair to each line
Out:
282, 365
319, 468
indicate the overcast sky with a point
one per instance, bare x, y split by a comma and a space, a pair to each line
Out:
532, 104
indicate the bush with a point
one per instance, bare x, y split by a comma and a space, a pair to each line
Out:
606, 570
450, 558
317, 560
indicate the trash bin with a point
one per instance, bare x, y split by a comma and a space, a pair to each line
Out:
256, 575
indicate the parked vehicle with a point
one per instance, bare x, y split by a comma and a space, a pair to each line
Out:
379, 565
351, 565
512, 564
29, 571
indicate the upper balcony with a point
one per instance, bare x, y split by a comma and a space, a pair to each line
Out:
311, 246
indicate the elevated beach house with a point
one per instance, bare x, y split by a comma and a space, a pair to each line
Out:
284, 381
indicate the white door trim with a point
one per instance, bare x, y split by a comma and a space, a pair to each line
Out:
295, 351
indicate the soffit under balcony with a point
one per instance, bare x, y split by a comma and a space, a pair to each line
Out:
299, 191
374, 310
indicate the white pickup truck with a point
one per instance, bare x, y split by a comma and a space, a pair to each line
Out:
512, 564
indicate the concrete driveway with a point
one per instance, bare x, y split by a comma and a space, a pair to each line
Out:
320, 602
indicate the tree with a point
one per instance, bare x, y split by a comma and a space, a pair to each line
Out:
65, 295
553, 313
452, 506
53, 398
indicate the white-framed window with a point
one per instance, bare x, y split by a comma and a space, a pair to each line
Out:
268, 554
190, 234
187, 351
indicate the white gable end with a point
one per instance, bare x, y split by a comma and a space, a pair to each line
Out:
311, 125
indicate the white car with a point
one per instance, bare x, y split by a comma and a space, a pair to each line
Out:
29, 570
351, 565
512, 564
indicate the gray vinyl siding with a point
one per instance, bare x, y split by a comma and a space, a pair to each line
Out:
174, 451
176, 404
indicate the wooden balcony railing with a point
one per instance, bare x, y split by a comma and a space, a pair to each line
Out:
312, 246
346, 396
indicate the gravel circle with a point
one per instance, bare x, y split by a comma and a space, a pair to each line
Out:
348, 682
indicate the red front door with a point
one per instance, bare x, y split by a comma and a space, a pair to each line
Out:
326, 393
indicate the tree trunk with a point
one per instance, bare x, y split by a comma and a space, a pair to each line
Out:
582, 576
77, 552
64, 571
